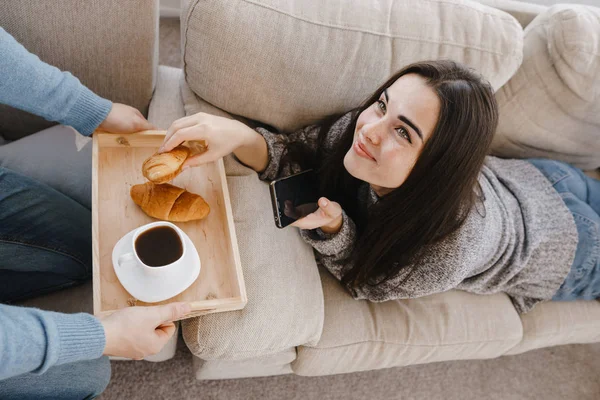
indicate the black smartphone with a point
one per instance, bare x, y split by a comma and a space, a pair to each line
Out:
294, 197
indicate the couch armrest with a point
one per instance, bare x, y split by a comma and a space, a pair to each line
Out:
110, 45
285, 298
166, 105
270, 365
555, 323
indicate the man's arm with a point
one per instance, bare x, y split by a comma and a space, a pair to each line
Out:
32, 340
29, 84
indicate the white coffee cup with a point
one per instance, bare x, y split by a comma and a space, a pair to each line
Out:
133, 260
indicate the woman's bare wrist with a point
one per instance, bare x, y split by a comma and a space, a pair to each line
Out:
253, 152
333, 227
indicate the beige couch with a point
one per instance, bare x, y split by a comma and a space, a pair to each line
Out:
289, 63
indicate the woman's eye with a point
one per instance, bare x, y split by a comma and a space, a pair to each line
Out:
404, 133
381, 106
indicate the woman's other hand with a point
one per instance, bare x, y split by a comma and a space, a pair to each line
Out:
221, 136
137, 332
124, 119
328, 217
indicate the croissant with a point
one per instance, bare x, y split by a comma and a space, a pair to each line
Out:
161, 168
168, 202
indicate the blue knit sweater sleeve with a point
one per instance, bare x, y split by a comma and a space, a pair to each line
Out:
32, 340
29, 84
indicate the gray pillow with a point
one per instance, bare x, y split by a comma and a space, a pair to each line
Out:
551, 107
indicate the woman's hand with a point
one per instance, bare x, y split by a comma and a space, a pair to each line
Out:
137, 332
221, 136
124, 119
328, 217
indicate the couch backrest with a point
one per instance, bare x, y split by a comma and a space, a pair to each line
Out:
289, 63
110, 45
524, 12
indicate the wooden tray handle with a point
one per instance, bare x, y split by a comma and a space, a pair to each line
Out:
196, 146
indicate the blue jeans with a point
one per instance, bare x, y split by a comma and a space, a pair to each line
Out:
45, 245
581, 195
80, 380
45, 239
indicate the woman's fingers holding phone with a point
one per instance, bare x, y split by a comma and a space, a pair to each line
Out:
328, 217
334, 211
331, 209
311, 221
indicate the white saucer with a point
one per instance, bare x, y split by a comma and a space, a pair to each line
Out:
152, 288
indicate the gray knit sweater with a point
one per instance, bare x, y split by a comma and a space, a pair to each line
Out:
523, 244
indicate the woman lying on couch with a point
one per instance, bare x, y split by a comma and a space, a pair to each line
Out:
412, 203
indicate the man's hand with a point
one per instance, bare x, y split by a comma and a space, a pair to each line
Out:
124, 119
137, 332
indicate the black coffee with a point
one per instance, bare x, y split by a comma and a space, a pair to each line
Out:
159, 246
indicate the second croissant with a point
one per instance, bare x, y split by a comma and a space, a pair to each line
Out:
168, 202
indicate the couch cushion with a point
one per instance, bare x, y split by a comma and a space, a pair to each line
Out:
359, 335
523, 11
58, 156
72, 300
288, 63
551, 107
285, 301
110, 45
167, 104
554, 323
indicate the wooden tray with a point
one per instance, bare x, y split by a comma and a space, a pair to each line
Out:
116, 166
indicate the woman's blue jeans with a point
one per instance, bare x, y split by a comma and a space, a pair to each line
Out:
581, 195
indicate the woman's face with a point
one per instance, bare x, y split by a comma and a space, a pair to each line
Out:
391, 133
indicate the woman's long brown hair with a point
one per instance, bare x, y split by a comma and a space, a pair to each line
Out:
439, 192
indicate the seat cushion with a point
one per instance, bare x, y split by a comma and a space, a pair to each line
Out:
285, 300
58, 156
359, 335
72, 300
553, 323
551, 107
288, 63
